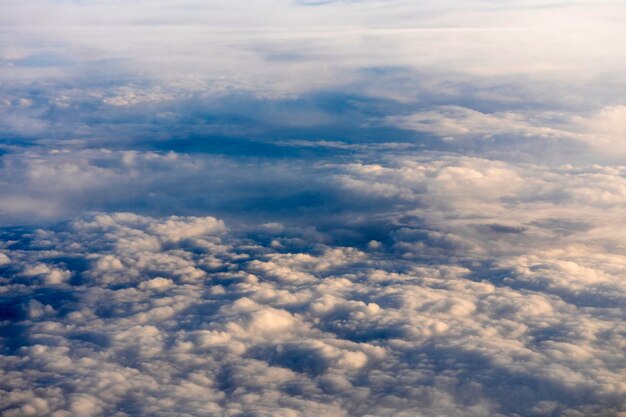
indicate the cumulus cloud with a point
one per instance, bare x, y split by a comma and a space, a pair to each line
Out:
122, 314
465, 203
312, 208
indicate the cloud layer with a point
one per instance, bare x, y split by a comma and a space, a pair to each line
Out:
499, 293
312, 208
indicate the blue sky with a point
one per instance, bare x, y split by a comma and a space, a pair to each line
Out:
302, 208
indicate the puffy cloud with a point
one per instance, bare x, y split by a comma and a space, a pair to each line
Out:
474, 204
423, 200
132, 329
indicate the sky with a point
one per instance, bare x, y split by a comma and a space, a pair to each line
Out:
302, 208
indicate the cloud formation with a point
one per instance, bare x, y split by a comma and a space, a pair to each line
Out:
498, 294
312, 208
601, 132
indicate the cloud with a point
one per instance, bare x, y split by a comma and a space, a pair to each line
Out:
300, 208
462, 203
142, 322
40, 184
599, 132
452, 122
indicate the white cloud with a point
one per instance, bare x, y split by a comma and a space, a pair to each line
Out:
335, 330
363, 273
277, 48
602, 130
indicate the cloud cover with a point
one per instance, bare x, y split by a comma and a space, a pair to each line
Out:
488, 299
337, 208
